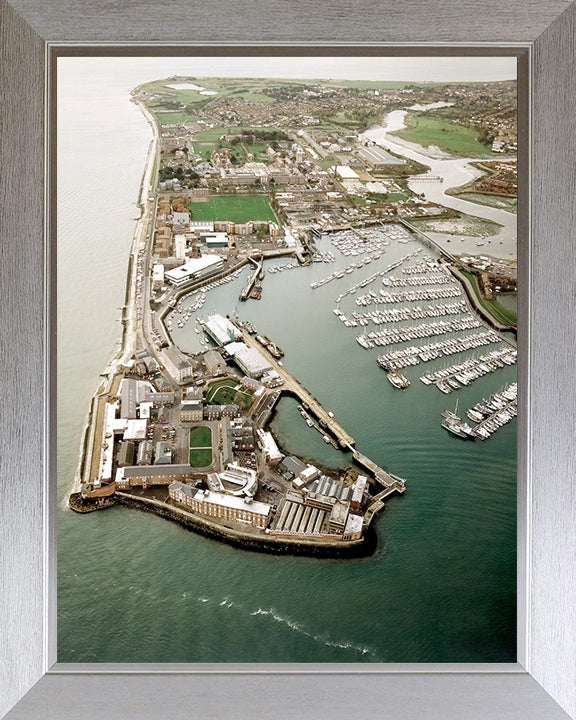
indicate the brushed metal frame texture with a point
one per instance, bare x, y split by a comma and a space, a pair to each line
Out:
547, 509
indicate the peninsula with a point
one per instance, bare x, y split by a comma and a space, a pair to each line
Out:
241, 173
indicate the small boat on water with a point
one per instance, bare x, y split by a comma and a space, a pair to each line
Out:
398, 380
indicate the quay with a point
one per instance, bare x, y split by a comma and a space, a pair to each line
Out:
308, 402
247, 289
390, 482
477, 306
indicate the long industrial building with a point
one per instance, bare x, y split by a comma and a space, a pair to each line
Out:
248, 359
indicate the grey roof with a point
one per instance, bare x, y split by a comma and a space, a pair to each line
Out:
186, 489
293, 464
150, 470
163, 453
194, 393
160, 397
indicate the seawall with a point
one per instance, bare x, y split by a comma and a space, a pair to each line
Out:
266, 544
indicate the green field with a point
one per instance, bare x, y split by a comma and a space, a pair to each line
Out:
205, 149
228, 392
200, 446
501, 314
201, 436
396, 196
255, 97
237, 208
452, 138
258, 150
170, 118
200, 458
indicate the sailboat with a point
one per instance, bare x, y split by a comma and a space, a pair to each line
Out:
455, 425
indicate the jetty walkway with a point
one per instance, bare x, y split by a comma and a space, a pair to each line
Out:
308, 401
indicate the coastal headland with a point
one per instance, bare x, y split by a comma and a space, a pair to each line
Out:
187, 435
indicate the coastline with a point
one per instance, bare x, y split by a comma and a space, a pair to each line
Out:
135, 322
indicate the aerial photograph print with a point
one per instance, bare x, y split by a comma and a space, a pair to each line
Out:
286, 359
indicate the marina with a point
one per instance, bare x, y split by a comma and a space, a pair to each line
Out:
425, 330
455, 376
383, 297
490, 415
208, 586
415, 354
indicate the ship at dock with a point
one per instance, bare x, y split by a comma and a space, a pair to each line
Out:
455, 425
271, 346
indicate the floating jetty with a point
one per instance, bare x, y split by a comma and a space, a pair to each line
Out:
455, 376
490, 415
415, 354
383, 297
392, 336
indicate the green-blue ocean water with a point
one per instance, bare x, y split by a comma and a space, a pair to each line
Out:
133, 587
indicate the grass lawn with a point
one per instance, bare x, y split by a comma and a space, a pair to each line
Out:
396, 197
200, 446
212, 135
201, 457
228, 392
258, 150
201, 436
501, 314
237, 208
255, 97
204, 149
453, 138
171, 118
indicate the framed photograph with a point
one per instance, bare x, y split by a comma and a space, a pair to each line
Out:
315, 282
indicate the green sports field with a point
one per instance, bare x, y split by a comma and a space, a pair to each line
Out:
236, 208
200, 446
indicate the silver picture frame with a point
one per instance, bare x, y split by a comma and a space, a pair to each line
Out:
542, 685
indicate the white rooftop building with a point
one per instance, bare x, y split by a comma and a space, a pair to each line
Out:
345, 172
248, 359
221, 329
158, 275
180, 247
269, 448
194, 268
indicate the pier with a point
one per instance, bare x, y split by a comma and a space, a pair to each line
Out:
244, 295
391, 483
308, 402
426, 178
444, 253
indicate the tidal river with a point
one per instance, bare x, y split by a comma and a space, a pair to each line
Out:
133, 587
454, 173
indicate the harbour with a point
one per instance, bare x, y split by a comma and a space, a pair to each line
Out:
203, 584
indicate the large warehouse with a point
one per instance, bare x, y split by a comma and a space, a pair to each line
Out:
378, 157
248, 359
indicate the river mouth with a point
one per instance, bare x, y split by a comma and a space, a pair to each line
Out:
452, 172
